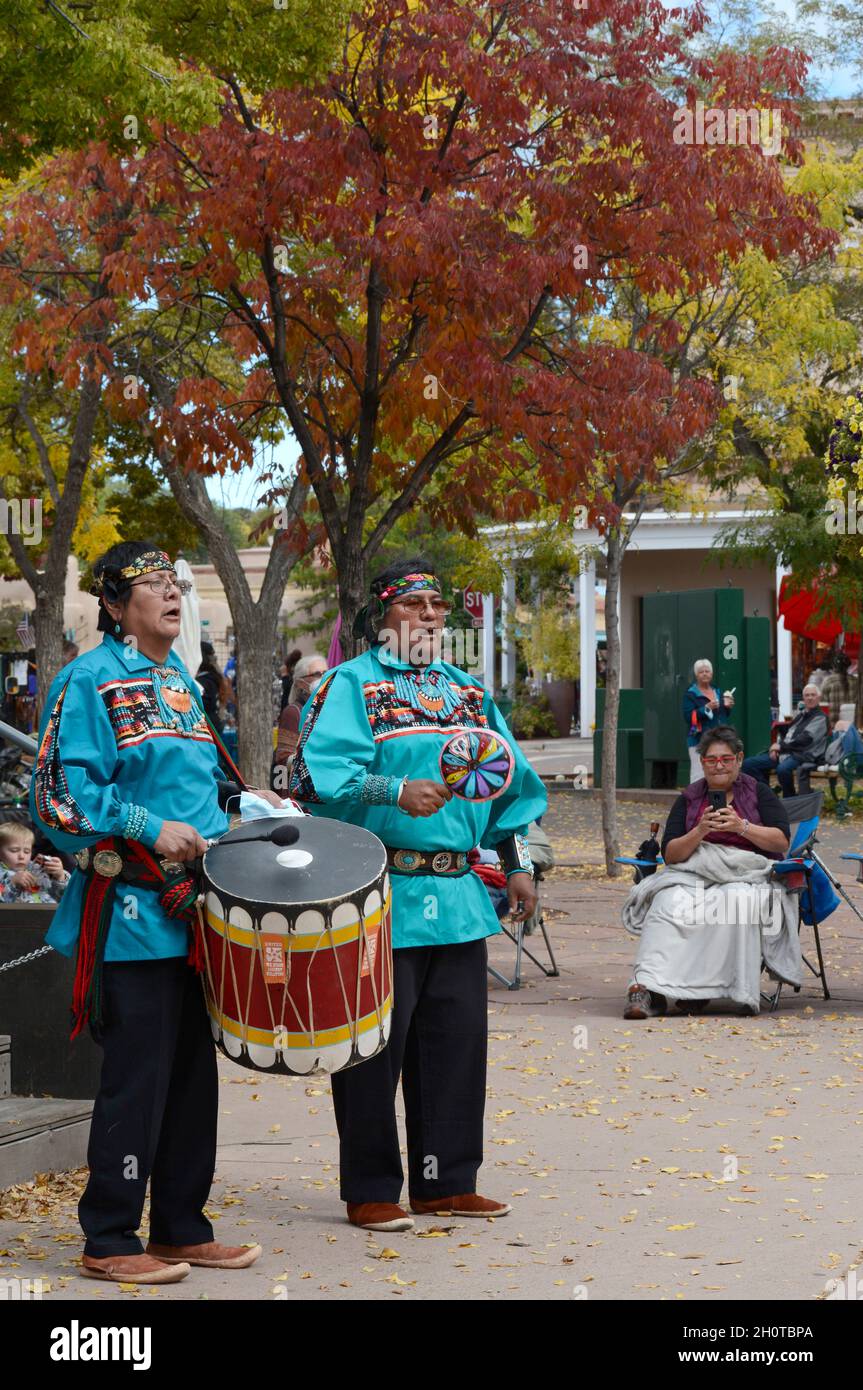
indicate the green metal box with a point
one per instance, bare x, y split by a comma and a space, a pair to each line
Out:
678, 629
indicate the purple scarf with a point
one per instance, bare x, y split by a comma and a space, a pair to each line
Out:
745, 802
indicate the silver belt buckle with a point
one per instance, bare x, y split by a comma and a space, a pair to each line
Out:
107, 863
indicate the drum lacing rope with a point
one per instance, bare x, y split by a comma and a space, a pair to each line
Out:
285, 983
352, 1023
372, 981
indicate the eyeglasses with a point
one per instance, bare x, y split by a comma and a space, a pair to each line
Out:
163, 587
413, 606
726, 761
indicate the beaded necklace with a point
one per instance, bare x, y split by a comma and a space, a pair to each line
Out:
178, 707
427, 692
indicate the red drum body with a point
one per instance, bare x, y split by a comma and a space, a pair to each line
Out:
297, 946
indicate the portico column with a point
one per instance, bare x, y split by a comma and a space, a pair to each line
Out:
587, 643
507, 618
488, 642
784, 678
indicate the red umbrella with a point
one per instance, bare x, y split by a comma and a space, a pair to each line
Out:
806, 612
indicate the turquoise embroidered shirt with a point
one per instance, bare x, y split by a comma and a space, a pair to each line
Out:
122, 747
359, 724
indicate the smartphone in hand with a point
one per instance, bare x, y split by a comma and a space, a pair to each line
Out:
717, 801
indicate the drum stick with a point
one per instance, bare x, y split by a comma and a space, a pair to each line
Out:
279, 834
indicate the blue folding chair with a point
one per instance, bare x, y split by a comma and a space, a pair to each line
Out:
795, 873
643, 867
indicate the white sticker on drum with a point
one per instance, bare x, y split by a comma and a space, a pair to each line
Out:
370, 951
294, 858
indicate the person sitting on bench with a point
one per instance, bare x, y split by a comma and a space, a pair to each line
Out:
800, 748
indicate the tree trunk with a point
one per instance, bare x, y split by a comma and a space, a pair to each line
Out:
611, 844
255, 621
49, 637
255, 715
353, 591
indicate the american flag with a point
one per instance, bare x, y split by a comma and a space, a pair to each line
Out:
25, 634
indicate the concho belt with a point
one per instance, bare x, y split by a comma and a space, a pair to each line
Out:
107, 863
446, 863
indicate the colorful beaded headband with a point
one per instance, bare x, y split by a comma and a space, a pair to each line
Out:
374, 610
407, 584
147, 563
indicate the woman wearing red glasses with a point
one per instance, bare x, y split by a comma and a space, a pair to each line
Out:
710, 916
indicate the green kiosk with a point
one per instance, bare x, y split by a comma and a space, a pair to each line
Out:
677, 629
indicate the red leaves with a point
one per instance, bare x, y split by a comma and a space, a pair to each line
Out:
443, 180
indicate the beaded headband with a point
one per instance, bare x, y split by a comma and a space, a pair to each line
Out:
407, 584
374, 610
147, 563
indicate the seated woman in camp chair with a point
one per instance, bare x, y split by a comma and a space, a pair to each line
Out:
708, 919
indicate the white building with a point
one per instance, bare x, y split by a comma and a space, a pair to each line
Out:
667, 551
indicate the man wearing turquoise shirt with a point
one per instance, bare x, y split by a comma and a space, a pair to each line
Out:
126, 759
369, 753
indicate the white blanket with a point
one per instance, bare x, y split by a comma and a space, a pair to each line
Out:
706, 924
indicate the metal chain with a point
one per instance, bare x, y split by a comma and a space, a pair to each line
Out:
22, 960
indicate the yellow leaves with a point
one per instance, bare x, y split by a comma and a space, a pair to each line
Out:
389, 1254
681, 1226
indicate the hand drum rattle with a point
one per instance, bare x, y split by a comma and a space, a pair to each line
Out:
477, 764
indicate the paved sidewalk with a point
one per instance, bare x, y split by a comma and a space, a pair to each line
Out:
611, 1140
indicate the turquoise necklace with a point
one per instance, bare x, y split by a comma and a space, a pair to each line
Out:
177, 705
428, 692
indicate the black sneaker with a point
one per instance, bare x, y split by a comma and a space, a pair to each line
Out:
638, 1003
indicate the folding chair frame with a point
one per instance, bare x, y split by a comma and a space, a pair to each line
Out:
517, 937
803, 860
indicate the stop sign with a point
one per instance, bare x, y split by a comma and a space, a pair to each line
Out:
473, 604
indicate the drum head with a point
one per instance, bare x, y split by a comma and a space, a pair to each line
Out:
329, 860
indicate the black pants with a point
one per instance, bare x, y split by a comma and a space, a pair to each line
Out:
156, 1112
438, 1044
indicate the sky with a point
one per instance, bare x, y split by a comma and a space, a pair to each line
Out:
241, 489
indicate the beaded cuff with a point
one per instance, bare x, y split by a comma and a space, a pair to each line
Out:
136, 822
515, 855
380, 791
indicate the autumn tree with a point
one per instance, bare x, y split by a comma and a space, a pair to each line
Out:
383, 249
54, 269
407, 257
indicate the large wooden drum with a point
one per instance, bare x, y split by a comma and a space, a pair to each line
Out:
298, 947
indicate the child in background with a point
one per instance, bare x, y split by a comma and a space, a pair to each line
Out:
24, 879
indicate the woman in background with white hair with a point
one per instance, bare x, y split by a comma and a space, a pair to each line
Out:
704, 708
306, 678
